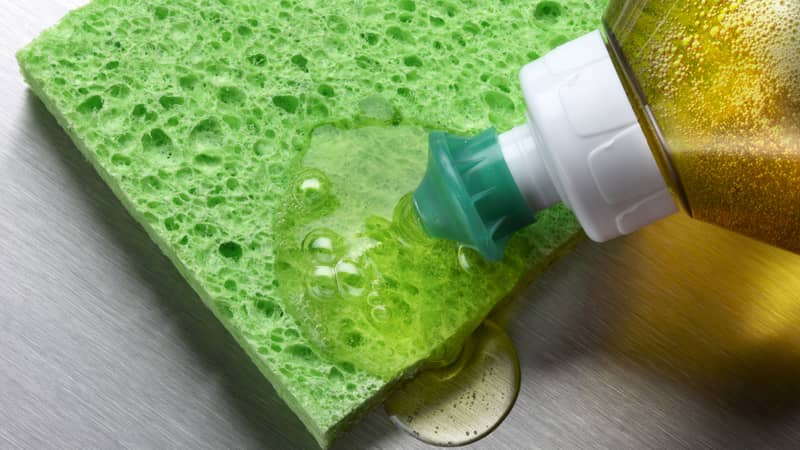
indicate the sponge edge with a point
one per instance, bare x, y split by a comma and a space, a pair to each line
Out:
192, 111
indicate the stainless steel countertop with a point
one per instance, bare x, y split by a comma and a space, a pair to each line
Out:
681, 335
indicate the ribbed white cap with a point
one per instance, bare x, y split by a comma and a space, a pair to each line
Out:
583, 143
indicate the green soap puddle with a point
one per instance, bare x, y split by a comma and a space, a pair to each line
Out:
368, 286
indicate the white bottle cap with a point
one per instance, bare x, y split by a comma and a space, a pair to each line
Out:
583, 143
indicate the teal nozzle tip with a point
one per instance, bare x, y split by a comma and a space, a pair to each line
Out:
468, 194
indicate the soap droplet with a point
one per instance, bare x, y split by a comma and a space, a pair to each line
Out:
311, 188
322, 282
387, 310
380, 314
472, 262
350, 279
323, 246
488, 369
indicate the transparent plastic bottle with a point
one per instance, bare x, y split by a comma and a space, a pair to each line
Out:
716, 84
693, 103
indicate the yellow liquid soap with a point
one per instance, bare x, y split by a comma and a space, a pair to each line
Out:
463, 402
718, 83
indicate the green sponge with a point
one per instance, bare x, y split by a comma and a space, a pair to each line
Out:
196, 112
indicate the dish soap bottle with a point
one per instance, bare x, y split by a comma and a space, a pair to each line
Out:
693, 104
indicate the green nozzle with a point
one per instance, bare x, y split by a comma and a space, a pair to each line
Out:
468, 194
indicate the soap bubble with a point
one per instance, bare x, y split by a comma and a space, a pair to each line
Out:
388, 311
380, 314
322, 282
350, 279
311, 188
323, 246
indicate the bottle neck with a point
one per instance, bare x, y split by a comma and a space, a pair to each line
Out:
521, 152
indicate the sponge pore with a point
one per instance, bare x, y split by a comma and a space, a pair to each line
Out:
193, 112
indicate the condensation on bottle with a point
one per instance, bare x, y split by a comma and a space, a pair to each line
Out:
716, 84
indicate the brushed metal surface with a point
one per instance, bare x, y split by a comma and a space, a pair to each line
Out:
680, 336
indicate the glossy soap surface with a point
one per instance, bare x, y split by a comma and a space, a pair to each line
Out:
355, 266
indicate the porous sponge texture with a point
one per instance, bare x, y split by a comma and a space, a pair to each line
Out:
192, 111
